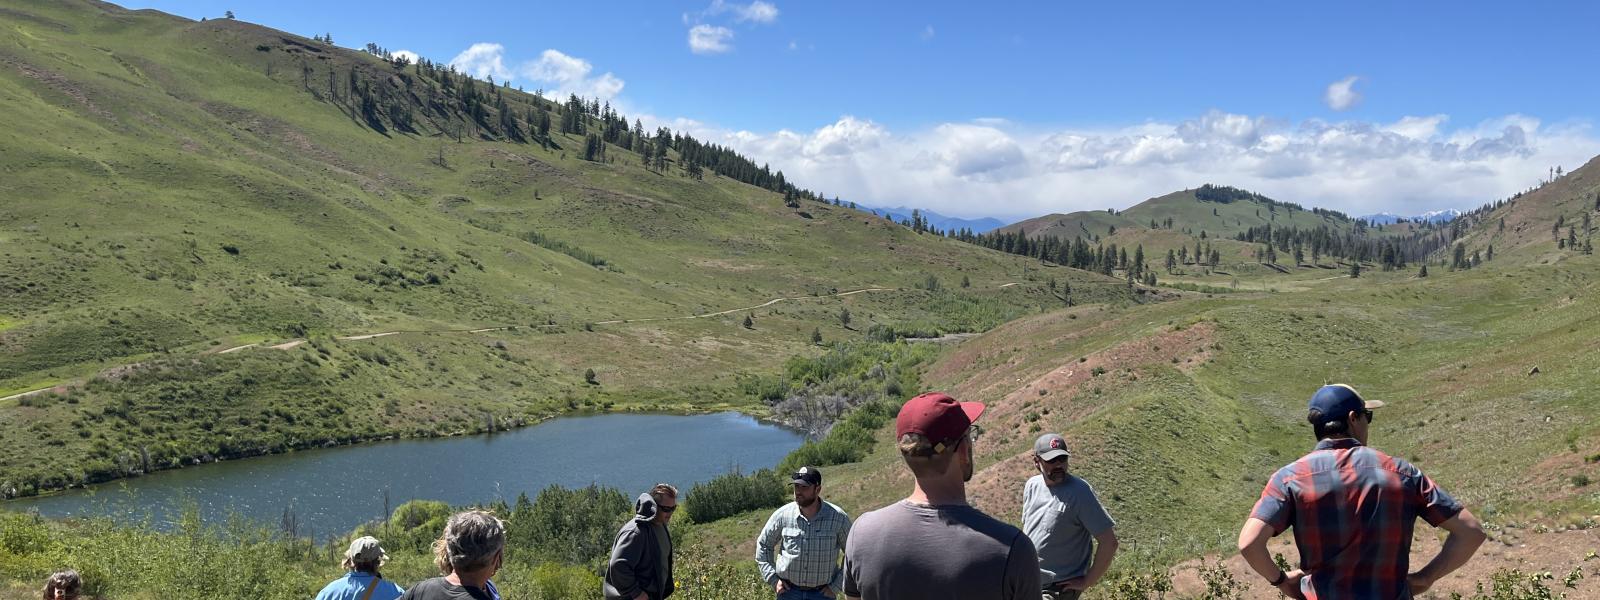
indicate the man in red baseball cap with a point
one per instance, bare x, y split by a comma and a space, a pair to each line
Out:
933, 545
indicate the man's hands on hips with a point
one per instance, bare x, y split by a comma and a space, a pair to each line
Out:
1076, 584
1291, 584
1419, 583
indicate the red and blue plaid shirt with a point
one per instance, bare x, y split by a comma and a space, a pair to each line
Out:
1353, 509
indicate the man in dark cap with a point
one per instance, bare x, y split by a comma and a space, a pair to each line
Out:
1353, 509
1064, 518
798, 550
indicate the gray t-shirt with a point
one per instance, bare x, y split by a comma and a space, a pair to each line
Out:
1062, 522
907, 550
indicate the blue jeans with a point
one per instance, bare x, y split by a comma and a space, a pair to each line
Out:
802, 595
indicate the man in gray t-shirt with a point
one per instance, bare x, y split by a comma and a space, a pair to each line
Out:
1062, 516
933, 545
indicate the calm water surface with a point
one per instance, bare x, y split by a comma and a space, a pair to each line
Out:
333, 490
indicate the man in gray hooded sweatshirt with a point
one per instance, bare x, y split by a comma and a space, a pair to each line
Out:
641, 558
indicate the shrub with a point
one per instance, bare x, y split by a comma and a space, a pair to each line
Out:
571, 526
733, 493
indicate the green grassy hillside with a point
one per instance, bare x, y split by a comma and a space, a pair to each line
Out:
1179, 411
172, 189
1221, 214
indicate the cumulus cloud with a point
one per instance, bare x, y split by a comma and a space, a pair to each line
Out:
570, 75
406, 54
483, 59
1341, 94
710, 39
995, 168
558, 73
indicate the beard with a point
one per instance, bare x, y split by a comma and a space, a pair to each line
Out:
807, 502
1052, 476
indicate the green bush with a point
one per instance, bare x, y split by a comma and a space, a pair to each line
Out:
733, 493
1513, 584
571, 526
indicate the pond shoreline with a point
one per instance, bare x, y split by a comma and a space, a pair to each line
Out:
336, 490
9, 495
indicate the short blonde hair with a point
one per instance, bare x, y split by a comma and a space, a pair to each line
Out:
469, 542
924, 457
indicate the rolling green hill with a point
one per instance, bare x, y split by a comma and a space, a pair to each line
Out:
171, 189
1220, 212
178, 198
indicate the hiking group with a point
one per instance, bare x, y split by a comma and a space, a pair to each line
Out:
1352, 508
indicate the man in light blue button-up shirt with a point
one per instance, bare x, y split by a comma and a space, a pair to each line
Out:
798, 550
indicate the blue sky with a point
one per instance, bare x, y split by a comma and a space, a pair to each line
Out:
1334, 104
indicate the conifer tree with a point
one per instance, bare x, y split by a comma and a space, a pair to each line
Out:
1355, 269
1423, 272
749, 323
816, 336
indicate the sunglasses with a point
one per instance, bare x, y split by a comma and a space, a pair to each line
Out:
667, 508
1369, 415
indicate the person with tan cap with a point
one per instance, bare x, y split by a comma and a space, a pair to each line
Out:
1065, 520
1353, 509
363, 582
933, 545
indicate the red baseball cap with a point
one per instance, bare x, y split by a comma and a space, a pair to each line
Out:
937, 416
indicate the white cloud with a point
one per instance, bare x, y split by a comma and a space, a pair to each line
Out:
847, 136
483, 59
1341, 94
557, 73
1417, 128
710, 39
758, 12
992, 167
927, 33
570, 75
406, 54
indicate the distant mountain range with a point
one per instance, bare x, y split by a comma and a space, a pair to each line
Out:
938, 221
1432, 216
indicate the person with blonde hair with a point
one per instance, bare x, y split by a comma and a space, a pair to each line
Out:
63, 585
469, 552
641, 558
363, 581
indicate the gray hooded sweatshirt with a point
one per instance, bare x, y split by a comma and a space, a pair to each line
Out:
641, 558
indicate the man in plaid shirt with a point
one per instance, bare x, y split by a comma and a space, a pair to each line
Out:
1353, 509
798, 550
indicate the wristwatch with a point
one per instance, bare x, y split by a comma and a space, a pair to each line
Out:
1282, 575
